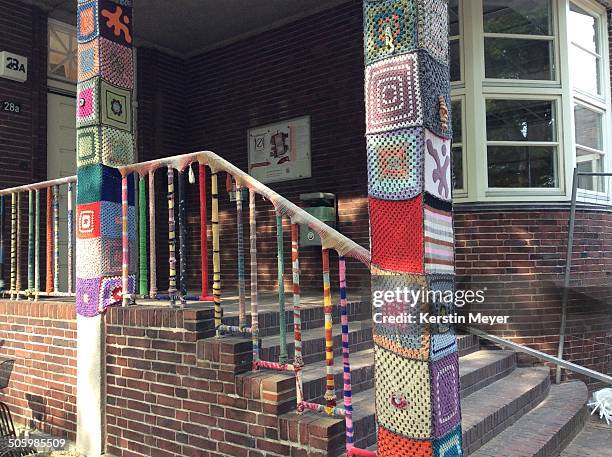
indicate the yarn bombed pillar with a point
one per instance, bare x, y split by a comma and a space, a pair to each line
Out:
408, 132
105, 141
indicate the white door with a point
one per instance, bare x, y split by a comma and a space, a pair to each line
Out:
61, 162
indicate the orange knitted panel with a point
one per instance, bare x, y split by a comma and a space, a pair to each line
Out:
397, 234
390, 445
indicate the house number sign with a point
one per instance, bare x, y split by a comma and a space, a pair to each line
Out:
10, 107
13, 66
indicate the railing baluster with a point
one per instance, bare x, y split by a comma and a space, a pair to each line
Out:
216, 259
125, 242
30, 243
70, 221
253, 254
281, 288
298, 361
347, 396
56, 256
182, 240
171, 239
241, 280
1, 243
152, 244
37, 247
49, 227
330, 391
13, 244
142, 237
203, 231
18, 248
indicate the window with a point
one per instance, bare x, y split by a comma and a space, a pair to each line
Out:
531, 97
457, 148
518, 39
521, 143
62, 61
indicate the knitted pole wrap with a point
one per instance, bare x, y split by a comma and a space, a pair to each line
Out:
240, 247
142, 237
281, 289
2, 242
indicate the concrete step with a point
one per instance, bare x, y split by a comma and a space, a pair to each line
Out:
547, 429
313, 342
497, 406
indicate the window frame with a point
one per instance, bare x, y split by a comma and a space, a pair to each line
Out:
54, 25
474, 89
463, 192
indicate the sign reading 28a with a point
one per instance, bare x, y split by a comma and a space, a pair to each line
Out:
13, 66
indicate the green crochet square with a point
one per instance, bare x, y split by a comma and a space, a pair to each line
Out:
98, 183
88, 146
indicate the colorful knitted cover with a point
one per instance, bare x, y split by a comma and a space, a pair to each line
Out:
105, 140
407, 95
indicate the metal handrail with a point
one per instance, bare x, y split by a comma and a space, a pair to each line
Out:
39, 185
330, 238
543, 356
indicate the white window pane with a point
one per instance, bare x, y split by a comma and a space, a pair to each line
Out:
587, 79
522, 166
521, 120
588, 127
527, 17
587, 162
510, 58
583, 29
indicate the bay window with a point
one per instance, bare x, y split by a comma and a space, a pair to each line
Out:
531, 97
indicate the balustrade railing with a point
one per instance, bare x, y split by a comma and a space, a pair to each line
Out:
58, 243
145, 252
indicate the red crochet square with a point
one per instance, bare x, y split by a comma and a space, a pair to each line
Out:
397, 234
390, 444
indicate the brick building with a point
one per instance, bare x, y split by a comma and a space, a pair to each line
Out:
524, 117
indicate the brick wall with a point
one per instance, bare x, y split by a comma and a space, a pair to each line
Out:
41, 339
23, 136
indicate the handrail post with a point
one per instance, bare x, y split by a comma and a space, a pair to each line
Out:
49, 243
171, 239
240, 247
182, 240
125, 242
2, 243
298, 361
142, 236
203, 233
283, 357
13, 244
567, 274
330, 388
152, 243
56, 237
70, 222
347, 396
18, 248
37, 247
216, 255
30, 244
253, 254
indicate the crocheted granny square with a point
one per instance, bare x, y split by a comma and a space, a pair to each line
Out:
116, 64
449, 445
98, 182
113, 257
117, 147
443, 339
395, 164
411, 339
391, 444
88, 220
89, 257
445, 394
438, 166
111, 291
439, 241
389, 28
87, 295
98, 257
112, 221
397, 234
399, 382
87, 21
432, 26
116, 106
392, 95
116, 22
434, 82
88, 112
88, 146
89, 60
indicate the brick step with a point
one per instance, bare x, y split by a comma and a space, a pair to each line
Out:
313, 342
481, 368
497, 406
466, 344
312, 316
546, 430
593, 441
